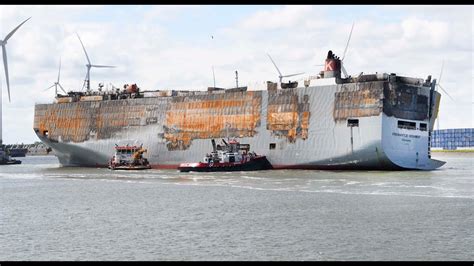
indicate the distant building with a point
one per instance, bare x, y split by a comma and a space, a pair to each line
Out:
453, 139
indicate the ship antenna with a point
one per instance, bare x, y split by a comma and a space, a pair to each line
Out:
236, 79
214, 76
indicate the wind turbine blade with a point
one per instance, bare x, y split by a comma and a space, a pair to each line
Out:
441, 73
275, 65
59, 72
102, 66
13, 31
446, 93
348, 40
62, 88
49, 87
344, 71
5, 65
83, 48
291, 75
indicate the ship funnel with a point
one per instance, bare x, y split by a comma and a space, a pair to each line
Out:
332, 66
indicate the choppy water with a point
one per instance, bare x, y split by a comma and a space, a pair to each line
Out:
54, 213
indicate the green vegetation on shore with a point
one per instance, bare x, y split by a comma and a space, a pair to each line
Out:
467, 150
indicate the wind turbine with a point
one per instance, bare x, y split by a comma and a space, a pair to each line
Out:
345, 50
56, 84
280, 75
89, 65
3, 155
438, 84
4, 52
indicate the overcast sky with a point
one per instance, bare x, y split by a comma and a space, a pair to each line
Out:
175, 47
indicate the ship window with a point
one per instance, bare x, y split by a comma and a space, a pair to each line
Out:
406, 124
352, 122
272, 146
423, 127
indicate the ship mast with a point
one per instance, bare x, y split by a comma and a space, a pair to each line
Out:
236, 79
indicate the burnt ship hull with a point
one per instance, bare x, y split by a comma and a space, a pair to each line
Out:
379, 124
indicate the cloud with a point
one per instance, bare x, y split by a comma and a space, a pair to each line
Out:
279, 18
167, 12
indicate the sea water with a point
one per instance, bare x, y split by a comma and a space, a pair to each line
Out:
49, 212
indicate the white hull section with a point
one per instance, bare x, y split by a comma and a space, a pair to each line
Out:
373, 147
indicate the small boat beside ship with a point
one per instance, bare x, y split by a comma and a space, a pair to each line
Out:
17, 150
129, 158
232, 156
5, 157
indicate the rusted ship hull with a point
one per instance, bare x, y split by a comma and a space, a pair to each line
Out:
383, 123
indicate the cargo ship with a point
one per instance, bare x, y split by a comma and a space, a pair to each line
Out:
328, 121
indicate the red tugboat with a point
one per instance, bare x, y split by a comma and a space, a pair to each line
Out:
232, 156
129, 158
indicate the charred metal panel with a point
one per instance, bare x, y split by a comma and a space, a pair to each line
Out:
406, 101
437, 100
235, 114
81, 121
358, 100
288, 114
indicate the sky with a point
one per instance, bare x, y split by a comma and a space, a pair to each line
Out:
176, 47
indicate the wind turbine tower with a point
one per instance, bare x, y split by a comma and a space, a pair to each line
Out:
3, 43
281, 76
89, 65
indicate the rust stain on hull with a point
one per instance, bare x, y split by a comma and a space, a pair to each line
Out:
358, 101
287, 115
81, 121
219, 115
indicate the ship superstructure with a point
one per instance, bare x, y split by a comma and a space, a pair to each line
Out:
374, 121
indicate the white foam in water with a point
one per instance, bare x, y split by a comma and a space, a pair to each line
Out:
352, 182
252, 177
